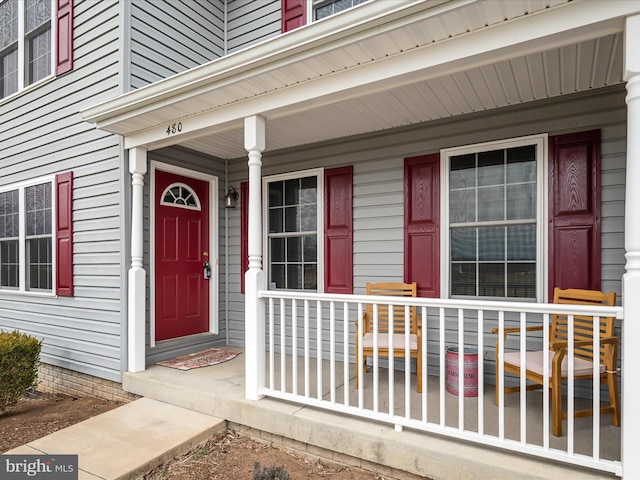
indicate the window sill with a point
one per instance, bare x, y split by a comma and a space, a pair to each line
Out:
27, 90
7, 293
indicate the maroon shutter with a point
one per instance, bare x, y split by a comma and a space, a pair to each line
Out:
64, 234
244, 232
574, 211
422, 223
64, 43
294, 14
338, 230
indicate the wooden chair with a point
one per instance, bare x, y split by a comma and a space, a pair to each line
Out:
583, 355
385, 326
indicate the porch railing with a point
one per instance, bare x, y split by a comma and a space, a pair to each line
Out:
311, 360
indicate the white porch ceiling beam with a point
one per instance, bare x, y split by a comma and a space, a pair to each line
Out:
547, 30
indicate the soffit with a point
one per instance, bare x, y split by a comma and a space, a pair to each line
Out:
291, 90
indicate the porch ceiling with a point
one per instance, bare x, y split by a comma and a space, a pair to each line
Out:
379, 66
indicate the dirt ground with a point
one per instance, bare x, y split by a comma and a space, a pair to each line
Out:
231, 456
226, 456
39, 414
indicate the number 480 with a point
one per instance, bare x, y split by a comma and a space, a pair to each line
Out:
174, 128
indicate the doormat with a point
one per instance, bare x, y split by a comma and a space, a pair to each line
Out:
206, 358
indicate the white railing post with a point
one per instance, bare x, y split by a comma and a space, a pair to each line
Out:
136, 311
254, 143
631, 279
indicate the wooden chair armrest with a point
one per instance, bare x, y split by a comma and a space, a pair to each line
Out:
564, 344
517, 330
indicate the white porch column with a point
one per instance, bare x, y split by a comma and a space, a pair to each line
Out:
631, 279
254, 143
137, 291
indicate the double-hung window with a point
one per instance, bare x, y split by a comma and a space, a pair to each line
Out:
26, 238
494, 209
294, 233
25, 43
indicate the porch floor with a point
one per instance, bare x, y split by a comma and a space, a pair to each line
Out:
219, 391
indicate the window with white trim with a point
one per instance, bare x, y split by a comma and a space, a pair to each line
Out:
25, 43
294, 230
494, 210
26, 238
326, 8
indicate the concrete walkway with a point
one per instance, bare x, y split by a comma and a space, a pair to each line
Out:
128, 441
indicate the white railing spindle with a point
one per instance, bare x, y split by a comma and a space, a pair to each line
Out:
294, 345
480, 411
461, 353
523, 378
307, 369
545, 382
407, 362
500, 373
570, 386
272, 375
390, 370
332, 351
376, 379
283, 347
596, 389
319, 349
359, 365
425, 363
345, 351
443, 373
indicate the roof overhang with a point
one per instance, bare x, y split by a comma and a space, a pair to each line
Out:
377, 66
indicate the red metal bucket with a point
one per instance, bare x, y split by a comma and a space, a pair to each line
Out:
469, 370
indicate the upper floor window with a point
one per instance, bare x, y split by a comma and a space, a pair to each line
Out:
495, 219
326, 8
25, 43
296, 13
29, 52
26, 238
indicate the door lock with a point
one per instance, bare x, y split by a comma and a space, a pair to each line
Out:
206, 270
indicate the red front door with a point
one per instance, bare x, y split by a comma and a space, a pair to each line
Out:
181, 250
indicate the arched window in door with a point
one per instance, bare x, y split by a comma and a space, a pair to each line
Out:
180, 195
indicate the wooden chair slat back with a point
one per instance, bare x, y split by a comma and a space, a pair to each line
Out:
398, 312
582, 325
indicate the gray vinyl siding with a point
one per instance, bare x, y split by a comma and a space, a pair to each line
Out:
43, 134
249, 22
171, 36
378, 182
197, 162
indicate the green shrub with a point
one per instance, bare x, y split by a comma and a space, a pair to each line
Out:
269, 473
19, 358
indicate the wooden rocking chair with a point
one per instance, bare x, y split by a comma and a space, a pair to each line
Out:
583, 355
384, 328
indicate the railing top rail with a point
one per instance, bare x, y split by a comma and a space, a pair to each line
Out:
486, 305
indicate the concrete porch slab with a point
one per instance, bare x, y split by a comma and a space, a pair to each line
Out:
219, 391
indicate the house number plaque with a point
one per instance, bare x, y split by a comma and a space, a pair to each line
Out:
174, 128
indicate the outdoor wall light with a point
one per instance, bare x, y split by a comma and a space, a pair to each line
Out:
230, 198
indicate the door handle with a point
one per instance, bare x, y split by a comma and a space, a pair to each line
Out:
206, 270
